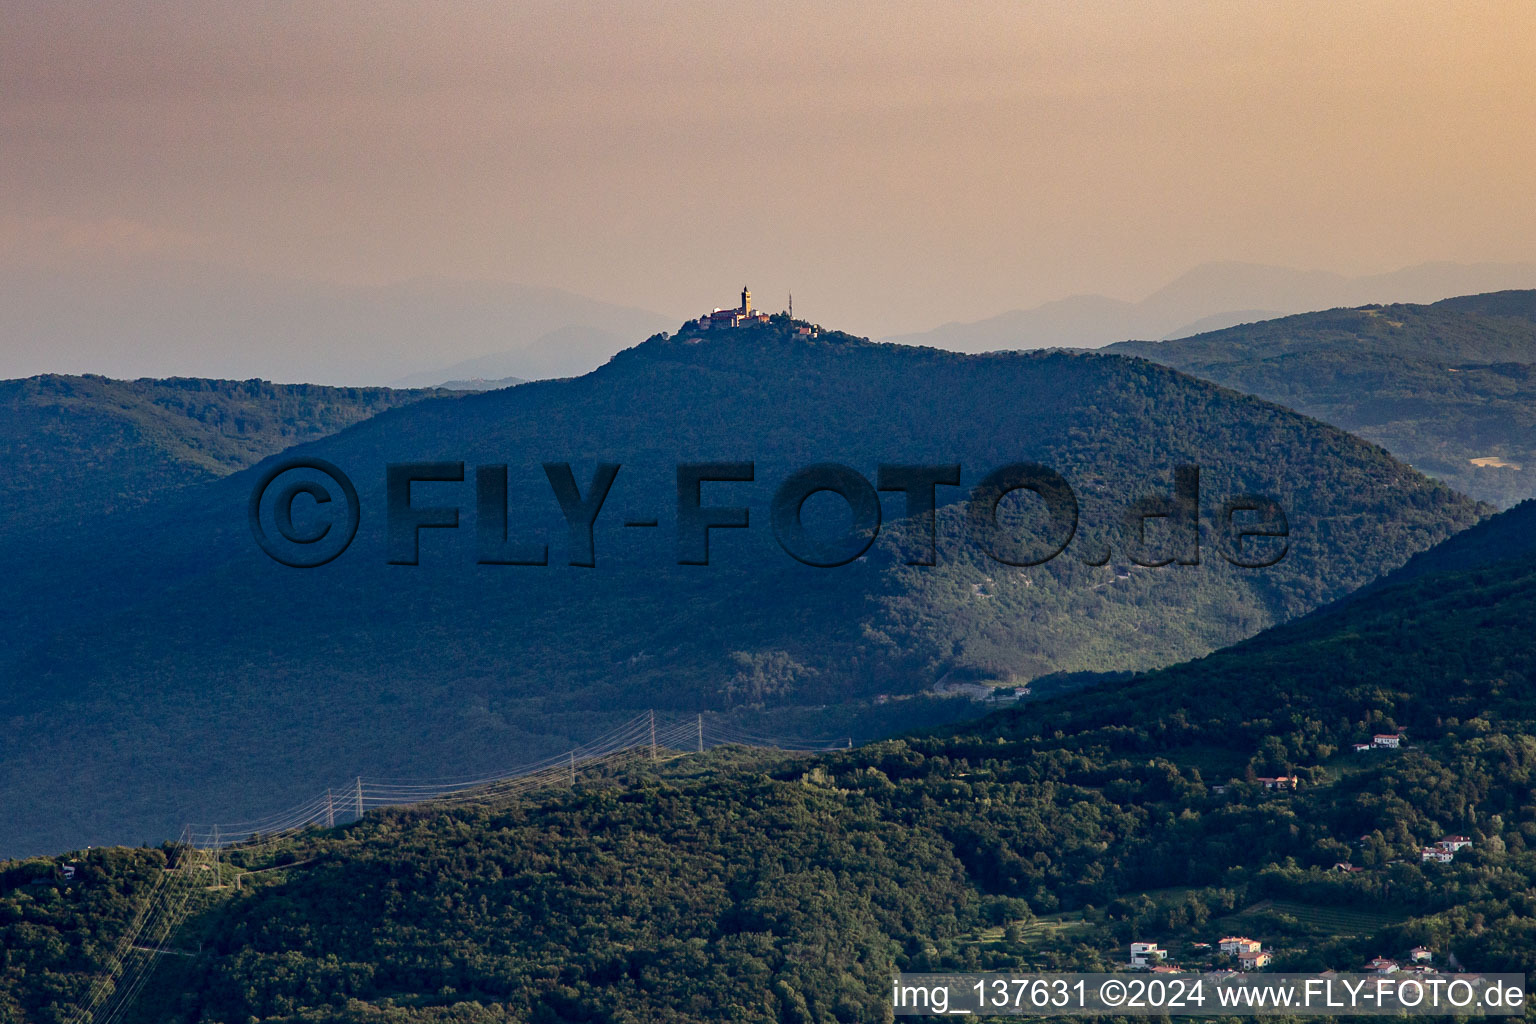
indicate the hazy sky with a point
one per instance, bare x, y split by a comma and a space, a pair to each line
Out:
897, 165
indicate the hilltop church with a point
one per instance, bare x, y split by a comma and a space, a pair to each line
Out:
742, 314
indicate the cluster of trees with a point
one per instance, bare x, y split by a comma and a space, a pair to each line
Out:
89, 445
57, 934
788, 889
767, 888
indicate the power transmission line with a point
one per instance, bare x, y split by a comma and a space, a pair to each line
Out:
170, 899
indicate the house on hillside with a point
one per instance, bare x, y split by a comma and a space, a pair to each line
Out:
1453, 844
1381, 965
1421, 954
1435, 855
1346, 867
1362, 748
1278, 782
1234, 945
1254, 960
1144, 953
1390, 740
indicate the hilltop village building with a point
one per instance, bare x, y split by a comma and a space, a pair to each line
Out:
745, 315
742, 314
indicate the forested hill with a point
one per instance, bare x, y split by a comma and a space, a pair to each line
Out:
1045, 838
183, 674
1449, 387
76, 448
1504, 538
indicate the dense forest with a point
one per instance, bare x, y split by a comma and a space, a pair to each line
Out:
1449, 387
80, 447
755, 887
162, 655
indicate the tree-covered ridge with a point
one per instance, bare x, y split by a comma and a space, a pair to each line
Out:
57, 933
221, 656
1492, 328
1439, 385
83, 446
747, 887
1509, 536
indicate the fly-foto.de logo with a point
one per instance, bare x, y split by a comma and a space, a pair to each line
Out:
305, 512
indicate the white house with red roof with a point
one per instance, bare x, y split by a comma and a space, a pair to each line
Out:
1254, 960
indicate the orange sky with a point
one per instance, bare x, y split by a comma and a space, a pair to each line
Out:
897, 165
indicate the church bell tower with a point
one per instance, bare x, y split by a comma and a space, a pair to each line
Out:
746, 301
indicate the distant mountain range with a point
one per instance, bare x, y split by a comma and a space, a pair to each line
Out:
179, 673
165, 318
567, 351
481, 384
1449, 388
1211, 297
157, 669
162, 319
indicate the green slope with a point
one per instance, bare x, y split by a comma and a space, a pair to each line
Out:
767, 889
80, 447
1439, 386
183, 675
